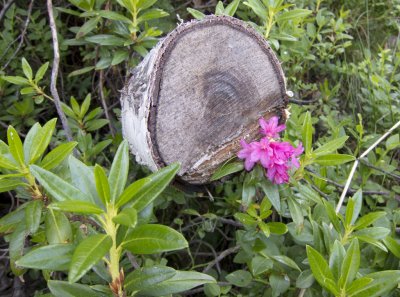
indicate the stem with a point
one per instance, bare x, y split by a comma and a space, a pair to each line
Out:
115, 252
270, 23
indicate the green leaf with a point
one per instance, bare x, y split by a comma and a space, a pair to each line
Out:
57, 155
147, 277
305, 279
10, 220
259, 9
127, 217
357, 285
272, 193
87, 254
287, 261
49, 257
383, 282
239, 278
32, 134
81, 71
330, 146
16, 80
227, 169
321, 271
112, 15
16, 246
392, 245
58, 228
102, 185
106, 39
264, 228
333, 217
87, 27
334, 159
33, 214
372, 241
293, 14
57, 187
277, 228
26, 68
377, 233
119, 171
41, 72
336, 259
349, 213
7, 184
232, 7
15, 145
368, 219
65, 289
358, 201
83, 178
27, 91
119, 56
152, 14
151, 239
196, 14
350, 265
260, 265
306, 133
7, 164
85, 105
76, 207
149, 191
41, 141
144, 4
181, 281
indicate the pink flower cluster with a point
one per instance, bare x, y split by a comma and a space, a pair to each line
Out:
277, 157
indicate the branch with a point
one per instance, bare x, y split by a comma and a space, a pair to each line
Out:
103, 102
54, 72
22, 35
221, 256
366, 163
5, 8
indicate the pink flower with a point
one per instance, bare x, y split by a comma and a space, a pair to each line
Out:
271, 128
275, 156
245, 153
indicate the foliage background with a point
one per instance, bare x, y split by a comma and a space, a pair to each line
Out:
341, 60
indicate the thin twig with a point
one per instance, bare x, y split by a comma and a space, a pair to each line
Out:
54, 72
366, 163
221, 256
213, 251
5, 8
22, 35
103, 102
353, 169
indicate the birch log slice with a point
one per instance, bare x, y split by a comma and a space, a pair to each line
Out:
197, 93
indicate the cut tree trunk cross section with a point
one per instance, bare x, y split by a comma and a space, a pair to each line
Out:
198, 92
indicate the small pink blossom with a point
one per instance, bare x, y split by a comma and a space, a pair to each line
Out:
277, 157
271, 128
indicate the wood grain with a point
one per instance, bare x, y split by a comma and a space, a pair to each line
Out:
200, 91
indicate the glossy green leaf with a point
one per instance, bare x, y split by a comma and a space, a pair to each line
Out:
26, 68
106, 39
87, 27
151, 239
239, 278
349, 213
57, 187
180, 282
149, 191
15, 145
65, 289
196, 14
144, 4
232, 7
50, 257
58, 228
33, 214
383, 282
41, 140
16, 80
357, 285
272, 192
287, 261
112, 15
336, 259
102, 185
321, 270
32, 134
79, 72
87, 254
7, 164
277, 228
306, 133
373, 232
258, 8
392, 245
83, 178
119, 171
293, 14
41, 72
57, 155
76, 207
227, 169
131, 191
334, 159
350, 265
152, 14
260, 265
12, 219
368, 219
17, 246
305, 279
127, 217
7, 184
144, 278
330, 146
